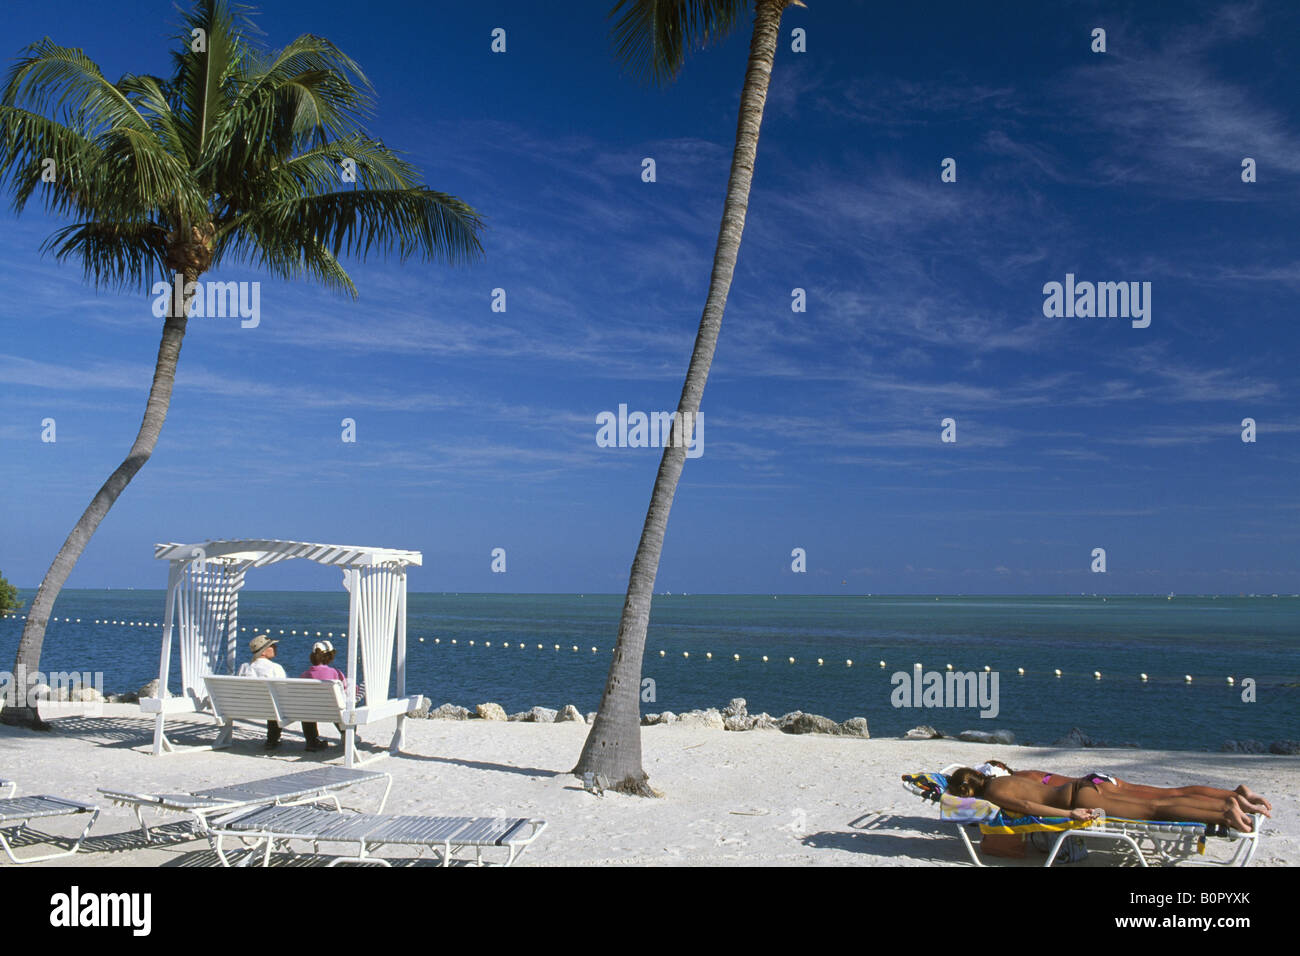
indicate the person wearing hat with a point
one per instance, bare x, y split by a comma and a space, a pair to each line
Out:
263, 665
322, 657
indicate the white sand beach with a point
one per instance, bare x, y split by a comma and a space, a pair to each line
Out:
757, 797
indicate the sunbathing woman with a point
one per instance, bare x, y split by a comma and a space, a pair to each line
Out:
1247, 799
1081, 800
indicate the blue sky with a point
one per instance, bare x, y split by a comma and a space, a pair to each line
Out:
476, 430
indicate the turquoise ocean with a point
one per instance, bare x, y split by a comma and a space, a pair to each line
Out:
1208, 638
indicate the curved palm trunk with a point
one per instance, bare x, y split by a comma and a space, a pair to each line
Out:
155, 413
613, 747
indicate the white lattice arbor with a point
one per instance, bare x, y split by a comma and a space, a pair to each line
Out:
202, 614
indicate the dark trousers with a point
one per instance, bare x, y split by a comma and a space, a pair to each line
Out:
311, 731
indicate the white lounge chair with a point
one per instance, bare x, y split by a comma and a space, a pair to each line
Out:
293, 700
1158, 841
267, 826
321, 783
17, 812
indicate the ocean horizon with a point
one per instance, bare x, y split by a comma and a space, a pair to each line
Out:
518, 650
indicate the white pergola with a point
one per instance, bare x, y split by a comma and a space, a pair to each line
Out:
203, 584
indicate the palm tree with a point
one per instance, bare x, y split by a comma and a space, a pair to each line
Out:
239, 157
651, 38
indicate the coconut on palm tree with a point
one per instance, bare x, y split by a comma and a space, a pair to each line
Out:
651, 38
242, 156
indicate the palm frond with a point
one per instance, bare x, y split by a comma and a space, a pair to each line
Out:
407, 221
651, 37
113, 254
26, 141
57, 79
151, 93
305, 96
206, 80
319, 170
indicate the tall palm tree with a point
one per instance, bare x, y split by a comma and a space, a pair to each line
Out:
651, 39
239, 157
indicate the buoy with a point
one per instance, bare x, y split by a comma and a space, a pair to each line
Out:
453, 640
792, 660
557, 647
575, 647
1231, 681
949, 667
1020, 671
593, 650
506, 644
1187, 678
421, 640
661, 653
764, 658
848, 663
686, 653
1143, 676
539, 647
987, 669
820, 662
487, 643
471, 643
1097, 675
882, 665
735, 657
708, 655
1058, 672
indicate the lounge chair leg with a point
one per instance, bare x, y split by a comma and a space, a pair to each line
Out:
961, 832
1056, 845
224, 735
4, 844
144, 827
349, 748
217, 847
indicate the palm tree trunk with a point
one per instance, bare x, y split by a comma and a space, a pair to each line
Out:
613, 747
155, 413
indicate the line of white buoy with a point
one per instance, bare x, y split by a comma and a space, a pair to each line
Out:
1020, 671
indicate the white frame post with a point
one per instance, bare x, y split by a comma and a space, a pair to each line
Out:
352, 580
399, 736
160, 741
